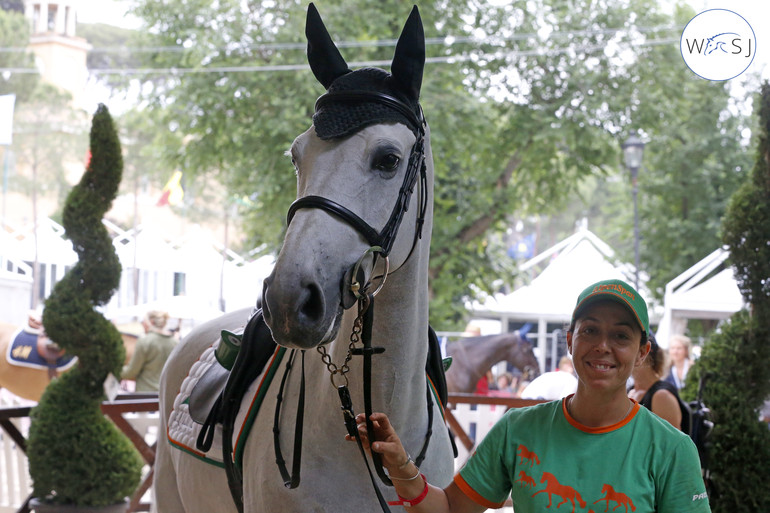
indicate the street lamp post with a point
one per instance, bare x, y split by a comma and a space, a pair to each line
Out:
633, 151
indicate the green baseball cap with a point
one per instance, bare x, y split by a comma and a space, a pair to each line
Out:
615, 290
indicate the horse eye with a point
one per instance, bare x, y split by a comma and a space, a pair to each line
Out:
388, 162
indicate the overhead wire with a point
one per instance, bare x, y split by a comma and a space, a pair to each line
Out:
448, 41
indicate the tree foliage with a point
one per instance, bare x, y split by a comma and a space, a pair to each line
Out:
746, 227
14, 29
526, 101
734, 361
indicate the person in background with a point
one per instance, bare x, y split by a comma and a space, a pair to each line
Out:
553, 385
506, 385
660, 397
596, 445
679, 352
151, 352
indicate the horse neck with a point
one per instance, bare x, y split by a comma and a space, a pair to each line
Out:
400, 325
495, 349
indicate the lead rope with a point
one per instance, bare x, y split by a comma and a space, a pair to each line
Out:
346, 403
367, 351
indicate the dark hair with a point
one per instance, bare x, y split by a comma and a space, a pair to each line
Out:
656, 357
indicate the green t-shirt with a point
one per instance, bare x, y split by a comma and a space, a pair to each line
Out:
545, 459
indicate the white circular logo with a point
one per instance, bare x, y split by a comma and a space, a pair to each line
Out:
718, 44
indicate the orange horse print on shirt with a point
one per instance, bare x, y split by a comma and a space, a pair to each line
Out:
528, 456
567, 493
620, 498
526, 480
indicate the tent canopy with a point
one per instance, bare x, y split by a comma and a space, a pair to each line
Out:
707, 290
575, 263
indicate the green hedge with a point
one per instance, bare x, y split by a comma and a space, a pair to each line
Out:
736, 361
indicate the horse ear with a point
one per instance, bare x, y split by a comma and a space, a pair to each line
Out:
409, 59
322, 54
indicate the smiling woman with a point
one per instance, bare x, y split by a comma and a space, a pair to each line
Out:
635, 459
607, 339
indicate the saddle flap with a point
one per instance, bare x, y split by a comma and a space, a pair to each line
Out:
206, 392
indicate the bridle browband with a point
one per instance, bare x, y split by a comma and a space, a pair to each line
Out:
416, 165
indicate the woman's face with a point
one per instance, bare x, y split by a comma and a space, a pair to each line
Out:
606, 346
677, 351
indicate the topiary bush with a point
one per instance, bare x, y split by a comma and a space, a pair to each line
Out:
76, 455
735, 360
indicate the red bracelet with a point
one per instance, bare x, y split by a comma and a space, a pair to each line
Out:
408, 503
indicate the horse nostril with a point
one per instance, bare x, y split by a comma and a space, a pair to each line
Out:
311, 305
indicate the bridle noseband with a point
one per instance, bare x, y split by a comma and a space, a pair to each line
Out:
416, 165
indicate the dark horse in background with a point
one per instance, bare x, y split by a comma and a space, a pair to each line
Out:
472, 357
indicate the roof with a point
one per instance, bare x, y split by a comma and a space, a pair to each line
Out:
707, 290
573, 264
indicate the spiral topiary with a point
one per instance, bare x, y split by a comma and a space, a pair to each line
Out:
76, 455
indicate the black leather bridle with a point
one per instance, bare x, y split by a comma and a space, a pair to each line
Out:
416, 166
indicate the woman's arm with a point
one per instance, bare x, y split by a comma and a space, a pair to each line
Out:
665, 405
402, 472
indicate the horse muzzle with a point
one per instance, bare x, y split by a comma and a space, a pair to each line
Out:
300, 317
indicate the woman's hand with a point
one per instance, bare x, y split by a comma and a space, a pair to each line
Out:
387, 445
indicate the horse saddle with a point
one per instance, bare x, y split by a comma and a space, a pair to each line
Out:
211, 384
240, 359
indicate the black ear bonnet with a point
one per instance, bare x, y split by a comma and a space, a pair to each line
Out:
333, 119
367, 96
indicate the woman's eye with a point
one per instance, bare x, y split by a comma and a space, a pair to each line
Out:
388, 162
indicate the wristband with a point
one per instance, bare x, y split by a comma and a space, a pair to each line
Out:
415, 476
408, 503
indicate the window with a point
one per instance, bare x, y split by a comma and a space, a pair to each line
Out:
52, 9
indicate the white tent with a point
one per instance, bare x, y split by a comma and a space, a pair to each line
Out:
707, 290
573, 264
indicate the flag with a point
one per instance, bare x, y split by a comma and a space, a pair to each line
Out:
173, 193
6, 118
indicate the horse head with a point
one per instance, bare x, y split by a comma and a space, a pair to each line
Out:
356, 169
714, 43
523, 357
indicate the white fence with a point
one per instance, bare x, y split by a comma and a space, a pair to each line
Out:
15, 485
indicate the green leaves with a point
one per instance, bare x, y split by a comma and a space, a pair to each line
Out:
527, 102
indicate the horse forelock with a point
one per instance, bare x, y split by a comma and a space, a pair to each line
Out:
335, 120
